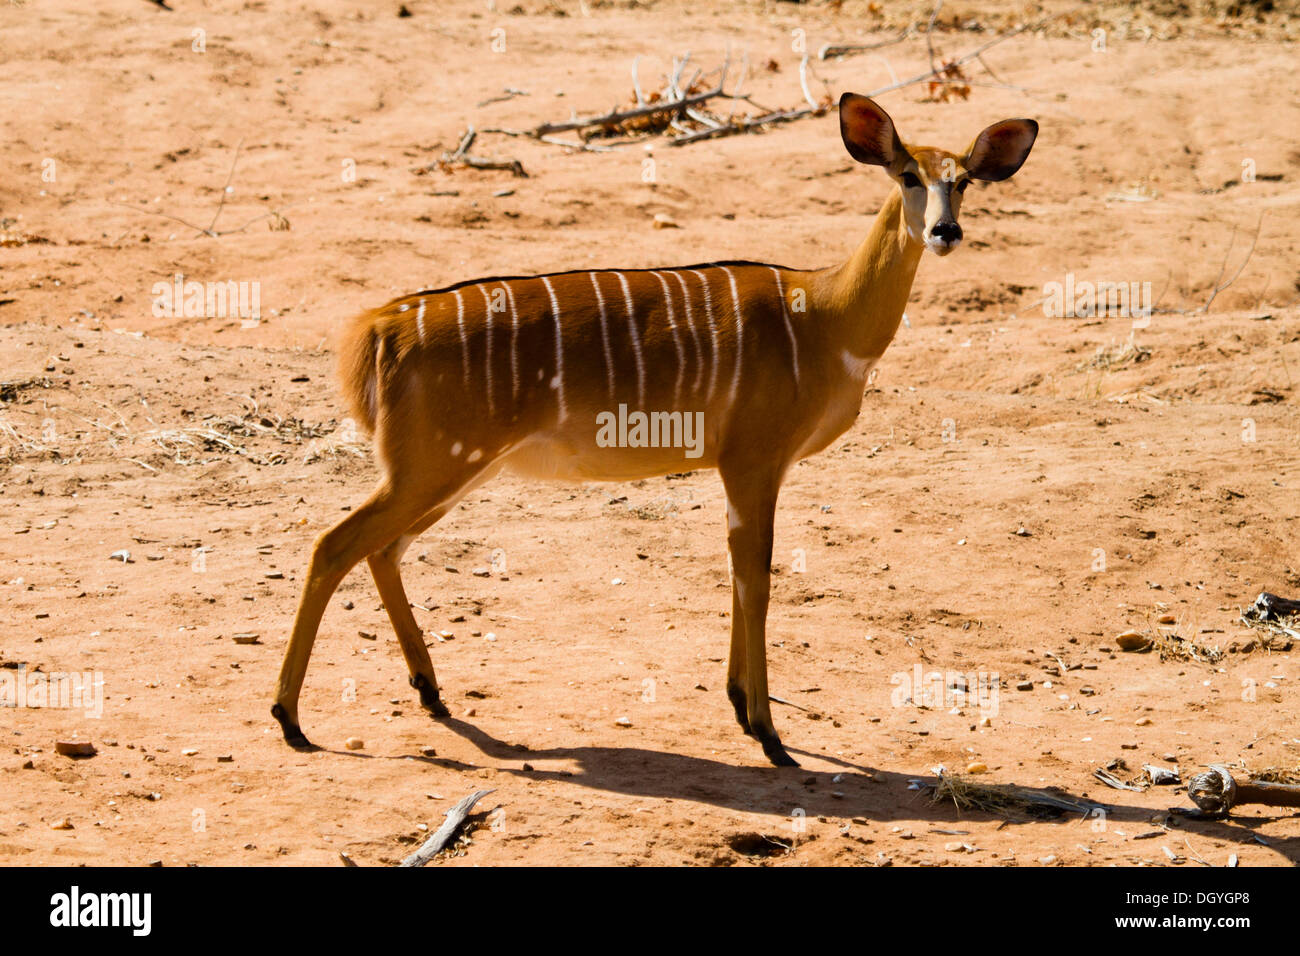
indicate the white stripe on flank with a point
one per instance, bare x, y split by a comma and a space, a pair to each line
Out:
604, 335
636, 343
713, 328
785, 314
487, 364
419, 320
695, 335
464, 342
740, 333
514, 341
558, 382
677, 342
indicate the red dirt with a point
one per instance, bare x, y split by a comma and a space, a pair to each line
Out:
986, 417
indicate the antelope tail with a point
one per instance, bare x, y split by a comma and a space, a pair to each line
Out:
358, 347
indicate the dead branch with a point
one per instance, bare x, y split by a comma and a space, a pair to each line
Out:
615, 117
1219, 284
829, 50
929, 31
1216, 792
557, 141
211, 229
509, 94
461, 156
745, 125
442, 836
803, 82
680, 111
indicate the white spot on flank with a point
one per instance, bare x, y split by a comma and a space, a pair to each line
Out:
558, 381
856, 366
604, 336
713, 329
403, 307
740, 331
636, 342
475, 455
677, 341
456, 450
789, 328
487, 364
419, 320
464, 342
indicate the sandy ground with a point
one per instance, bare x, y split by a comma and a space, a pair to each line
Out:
1018, 490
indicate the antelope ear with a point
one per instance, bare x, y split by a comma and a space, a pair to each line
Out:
1000, 150
867, 131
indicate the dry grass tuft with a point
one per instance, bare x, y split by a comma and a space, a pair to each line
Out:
1004, 799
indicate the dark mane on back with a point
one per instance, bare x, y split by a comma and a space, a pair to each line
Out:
569, 272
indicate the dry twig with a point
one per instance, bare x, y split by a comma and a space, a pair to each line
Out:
442, 836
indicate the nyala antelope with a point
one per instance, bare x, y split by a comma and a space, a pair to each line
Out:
460, 382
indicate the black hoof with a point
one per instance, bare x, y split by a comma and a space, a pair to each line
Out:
429, 696
293, 734
775, 752
736, 694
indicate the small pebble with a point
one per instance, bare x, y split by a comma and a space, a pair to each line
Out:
74, 748
1132, 641
354, 743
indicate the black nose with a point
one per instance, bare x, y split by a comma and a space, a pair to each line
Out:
946, 231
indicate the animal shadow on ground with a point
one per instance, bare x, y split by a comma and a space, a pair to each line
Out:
860, 791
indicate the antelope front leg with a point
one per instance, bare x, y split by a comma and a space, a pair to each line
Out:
736, 662
751, 511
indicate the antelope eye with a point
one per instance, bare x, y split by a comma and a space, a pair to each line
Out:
911, 181
961, 186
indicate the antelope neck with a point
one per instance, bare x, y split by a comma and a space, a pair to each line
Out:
869, 292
